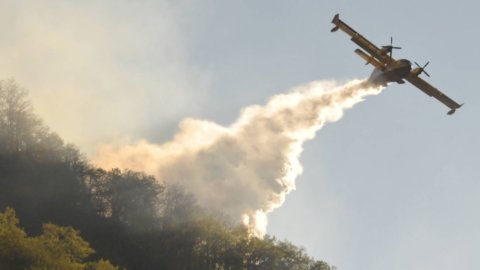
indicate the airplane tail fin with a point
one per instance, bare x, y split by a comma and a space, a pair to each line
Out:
335, 21
336, 18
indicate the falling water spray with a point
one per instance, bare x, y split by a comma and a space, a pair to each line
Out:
246, 169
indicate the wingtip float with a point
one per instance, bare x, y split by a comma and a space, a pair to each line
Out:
387, 69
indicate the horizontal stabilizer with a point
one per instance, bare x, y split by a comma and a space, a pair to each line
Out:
335, 21
452, 111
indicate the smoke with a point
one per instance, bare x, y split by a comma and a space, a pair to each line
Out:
93, 68
246, 169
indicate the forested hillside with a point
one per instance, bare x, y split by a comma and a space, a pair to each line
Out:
128, 218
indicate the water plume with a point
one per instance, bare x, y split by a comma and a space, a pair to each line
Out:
244, 170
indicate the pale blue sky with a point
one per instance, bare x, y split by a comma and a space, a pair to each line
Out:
392, 185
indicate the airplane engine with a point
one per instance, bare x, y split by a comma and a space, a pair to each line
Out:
417, 71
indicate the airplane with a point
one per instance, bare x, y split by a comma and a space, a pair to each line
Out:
387, 69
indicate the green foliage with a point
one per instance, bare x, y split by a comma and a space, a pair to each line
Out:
100, 265
15, 252
321, 266
64, 244
128, 217
57, 247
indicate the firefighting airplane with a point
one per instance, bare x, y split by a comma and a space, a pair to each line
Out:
387, 69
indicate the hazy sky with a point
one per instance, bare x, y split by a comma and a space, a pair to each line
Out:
393, 185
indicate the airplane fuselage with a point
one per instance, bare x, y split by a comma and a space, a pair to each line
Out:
393, 72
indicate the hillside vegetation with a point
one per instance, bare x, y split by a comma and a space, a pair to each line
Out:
79, 216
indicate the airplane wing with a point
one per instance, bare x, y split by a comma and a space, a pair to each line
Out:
377, 53
433, 92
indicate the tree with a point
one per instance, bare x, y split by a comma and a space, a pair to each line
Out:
320, 265
18, 124
177, 206
20, 129
57, 248
15, 252
130, 198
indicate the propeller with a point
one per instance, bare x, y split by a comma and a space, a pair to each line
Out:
422, 69
391, 47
